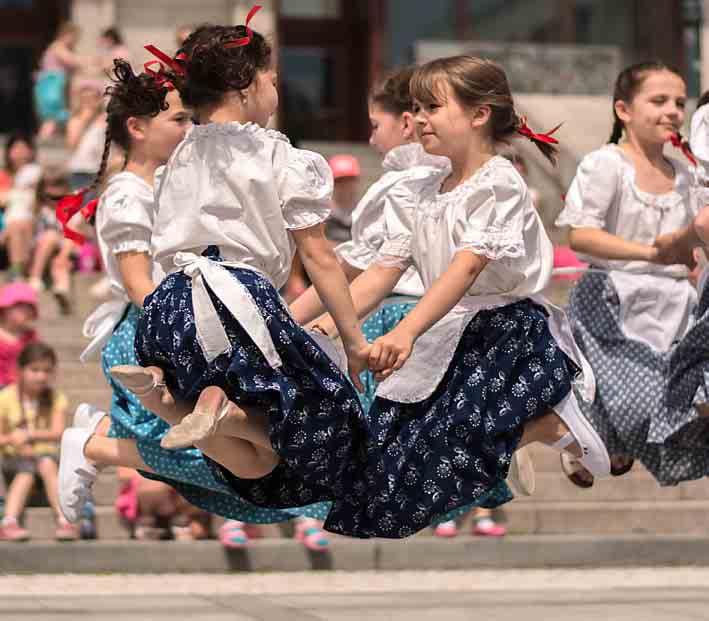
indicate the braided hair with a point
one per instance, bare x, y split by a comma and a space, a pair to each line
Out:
130, 95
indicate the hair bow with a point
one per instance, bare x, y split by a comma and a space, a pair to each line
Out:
547, 137
680, 143
161, 79
173, 63
68, 206
249, 33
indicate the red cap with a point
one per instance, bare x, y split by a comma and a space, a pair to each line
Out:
344, 166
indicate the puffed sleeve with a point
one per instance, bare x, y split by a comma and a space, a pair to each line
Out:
495, 210
699, 133
593, 190
305, 187
399, 206
124, 220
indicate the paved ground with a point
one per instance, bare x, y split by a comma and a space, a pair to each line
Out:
678, 594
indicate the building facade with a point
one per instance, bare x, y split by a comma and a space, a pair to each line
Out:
331, 51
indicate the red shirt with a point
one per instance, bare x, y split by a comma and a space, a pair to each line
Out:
9, 352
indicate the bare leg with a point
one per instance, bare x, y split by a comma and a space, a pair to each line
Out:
45, 248
17, 494
48, 471
115, 452
547, 429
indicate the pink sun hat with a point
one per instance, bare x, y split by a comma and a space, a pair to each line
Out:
18, 293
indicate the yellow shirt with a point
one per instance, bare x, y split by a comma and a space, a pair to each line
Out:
12, 417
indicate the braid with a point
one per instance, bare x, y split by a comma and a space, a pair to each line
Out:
617, 132
104, 162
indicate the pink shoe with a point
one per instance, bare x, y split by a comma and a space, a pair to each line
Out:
10, 530
311, 535
488, 528
446, 529
232, 535
66, 531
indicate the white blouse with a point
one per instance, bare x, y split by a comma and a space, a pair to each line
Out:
492, 215
369, 222
124, 223
656, 300
699, 136
241, 188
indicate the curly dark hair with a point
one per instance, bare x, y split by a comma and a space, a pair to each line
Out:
130, 95
212, 69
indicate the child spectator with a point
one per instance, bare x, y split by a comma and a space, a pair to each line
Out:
111, 45
346, 171
18, 312
32, 420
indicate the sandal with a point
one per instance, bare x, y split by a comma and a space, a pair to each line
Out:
521, 477
311, 535
194, 428
575, 472
232, 535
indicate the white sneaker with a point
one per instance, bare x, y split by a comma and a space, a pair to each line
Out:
76, 473
594, 455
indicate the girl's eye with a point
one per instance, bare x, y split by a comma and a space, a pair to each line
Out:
417, 108
681, 104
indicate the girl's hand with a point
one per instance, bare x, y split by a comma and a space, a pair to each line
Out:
390, 352
357, 359
673, 249
19, 438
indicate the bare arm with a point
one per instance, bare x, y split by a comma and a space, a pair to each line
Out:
390, 352
604, 245
68, 57
76, 127
136, 273
329, 280
309, 305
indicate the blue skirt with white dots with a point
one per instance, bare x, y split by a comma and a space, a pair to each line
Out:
185, 470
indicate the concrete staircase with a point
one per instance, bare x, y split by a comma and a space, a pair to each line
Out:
633, 504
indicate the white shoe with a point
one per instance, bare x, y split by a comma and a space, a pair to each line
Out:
76, 473
87, 415
594, 455
521, 477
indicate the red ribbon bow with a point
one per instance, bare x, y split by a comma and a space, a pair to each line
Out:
680, 143
159, 76
173, 63
547, 137
68, 207
249, 33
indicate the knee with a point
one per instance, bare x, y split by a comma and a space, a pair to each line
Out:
260, 467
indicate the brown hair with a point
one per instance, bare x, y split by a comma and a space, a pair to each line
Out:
628, 84
393, 94
36, 352
475, 82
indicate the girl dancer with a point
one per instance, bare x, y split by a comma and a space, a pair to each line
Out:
442, 431
147, 120
636, 318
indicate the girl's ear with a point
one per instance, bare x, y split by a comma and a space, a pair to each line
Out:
136, 128
408, 125
481, 116
622, 110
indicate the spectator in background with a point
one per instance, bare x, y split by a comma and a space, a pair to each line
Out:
18, 314
32, 420
57, 64
154, 511
346, 171
52, 252
86, 133
111, 45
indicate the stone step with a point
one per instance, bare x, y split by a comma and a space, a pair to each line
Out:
687, 517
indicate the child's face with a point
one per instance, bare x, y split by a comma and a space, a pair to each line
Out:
387, 129
20, 317
262, 97
20, 154
37, 376
443, 126
657, 110
164, 132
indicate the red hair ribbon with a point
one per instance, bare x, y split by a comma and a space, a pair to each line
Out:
680, 143
249, 33
547, 137
173, 63
68, 206
159, 76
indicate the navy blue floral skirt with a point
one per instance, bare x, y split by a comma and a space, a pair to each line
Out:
373, 469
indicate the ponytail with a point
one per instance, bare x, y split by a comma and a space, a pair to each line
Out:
545, 142
617, 132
